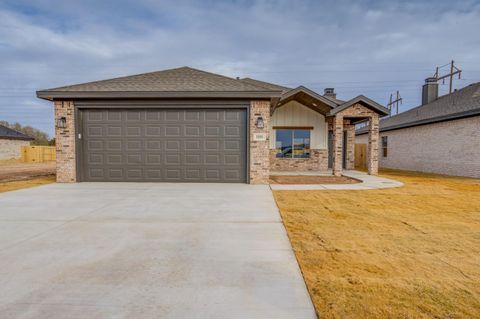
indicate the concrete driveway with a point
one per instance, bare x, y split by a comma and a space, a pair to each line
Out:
109, 250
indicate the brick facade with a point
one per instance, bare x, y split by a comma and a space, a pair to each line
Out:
372, 148
337, 145
350, 161
338, 125
11, 149
259, 150
262, 159
451, 148
318, 161
65, 142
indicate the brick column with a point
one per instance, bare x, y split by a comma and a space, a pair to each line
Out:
259, 149
350, 163
373, 137
65, 142
337, 145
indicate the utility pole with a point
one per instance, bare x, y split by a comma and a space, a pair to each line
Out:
394, 103
453, 71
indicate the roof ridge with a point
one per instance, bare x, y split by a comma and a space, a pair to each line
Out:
115, 78
216, 75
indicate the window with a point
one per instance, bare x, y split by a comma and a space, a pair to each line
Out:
385, 145
292, 143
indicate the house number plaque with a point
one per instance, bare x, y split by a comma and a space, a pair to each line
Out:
259, 136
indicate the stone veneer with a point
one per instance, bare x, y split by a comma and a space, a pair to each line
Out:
318, 161
259, 157
65, 142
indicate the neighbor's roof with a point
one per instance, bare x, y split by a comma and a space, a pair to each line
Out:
180, 82
459, 104
8, 133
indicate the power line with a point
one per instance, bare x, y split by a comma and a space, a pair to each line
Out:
453, 71
394, 103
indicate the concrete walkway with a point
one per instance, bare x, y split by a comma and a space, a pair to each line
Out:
368, 182
121, 250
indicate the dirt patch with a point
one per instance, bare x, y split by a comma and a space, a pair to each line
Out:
15, 185
15, 171
407, 252
306, 179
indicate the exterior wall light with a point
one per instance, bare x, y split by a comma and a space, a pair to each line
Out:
259, 123
61, 122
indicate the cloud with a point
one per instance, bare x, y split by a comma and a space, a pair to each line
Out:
359, 47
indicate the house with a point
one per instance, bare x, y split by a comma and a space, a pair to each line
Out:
188, 125
440, 136
11, 142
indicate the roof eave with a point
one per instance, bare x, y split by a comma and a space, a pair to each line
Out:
17, 138
313, 94
53, 95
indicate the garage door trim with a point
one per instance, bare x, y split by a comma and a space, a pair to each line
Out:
148, 104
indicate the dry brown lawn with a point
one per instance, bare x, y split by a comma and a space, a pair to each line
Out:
409, 252
15, 185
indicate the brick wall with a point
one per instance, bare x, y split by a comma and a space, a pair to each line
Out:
350, 160
259, 150
356, 110
451, 148
65, 142
318, 161
11, 149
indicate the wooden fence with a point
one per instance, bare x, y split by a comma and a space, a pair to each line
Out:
360, 155
38, 154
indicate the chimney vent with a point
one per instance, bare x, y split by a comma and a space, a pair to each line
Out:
330, 92
429, 90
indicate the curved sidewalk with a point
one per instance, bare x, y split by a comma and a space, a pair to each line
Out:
368, 182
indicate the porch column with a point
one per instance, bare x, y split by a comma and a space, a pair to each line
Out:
373, 137
350, 164
337, 145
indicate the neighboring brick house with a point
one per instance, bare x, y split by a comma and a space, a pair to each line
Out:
440, 136
11, 143
188, 125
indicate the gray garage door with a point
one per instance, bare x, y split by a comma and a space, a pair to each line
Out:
158, 145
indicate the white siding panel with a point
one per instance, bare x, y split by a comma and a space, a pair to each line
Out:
296, 114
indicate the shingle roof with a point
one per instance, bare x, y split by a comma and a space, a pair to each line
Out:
8, 133
461, 103
169, 82
266, 85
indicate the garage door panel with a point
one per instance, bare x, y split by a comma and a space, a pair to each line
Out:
185, 145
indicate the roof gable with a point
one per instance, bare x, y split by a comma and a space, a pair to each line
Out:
362, 100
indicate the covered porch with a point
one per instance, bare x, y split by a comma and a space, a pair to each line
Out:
333, 144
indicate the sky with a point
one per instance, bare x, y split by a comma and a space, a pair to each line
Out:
358, 47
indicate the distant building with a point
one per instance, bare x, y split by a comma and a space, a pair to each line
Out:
440, 136
11, 142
